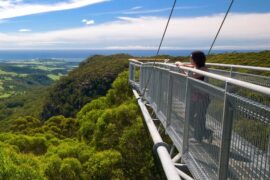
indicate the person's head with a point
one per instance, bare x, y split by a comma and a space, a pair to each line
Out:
198, 59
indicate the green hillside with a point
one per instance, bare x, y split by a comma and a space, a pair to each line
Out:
90, 80
251, 59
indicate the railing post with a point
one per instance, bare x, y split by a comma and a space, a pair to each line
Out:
169, 99
187, 116
227, 120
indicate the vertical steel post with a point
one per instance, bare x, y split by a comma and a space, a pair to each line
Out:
227, 120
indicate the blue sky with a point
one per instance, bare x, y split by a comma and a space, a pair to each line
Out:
132, 24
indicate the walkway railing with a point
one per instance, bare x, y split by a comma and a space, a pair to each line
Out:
220, 126
252, 74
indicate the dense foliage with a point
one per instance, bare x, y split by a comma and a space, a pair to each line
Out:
23, 86
106, 140
251, 58
90, 80
255, 132
27, 104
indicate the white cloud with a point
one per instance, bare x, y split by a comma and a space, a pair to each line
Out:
127, 18
136, 8
15, 8
240, 31
24, 30
88, 22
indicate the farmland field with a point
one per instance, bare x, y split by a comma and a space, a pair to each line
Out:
17, 77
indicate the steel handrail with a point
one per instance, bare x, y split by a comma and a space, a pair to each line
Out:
259, 68
240, 66
254, 87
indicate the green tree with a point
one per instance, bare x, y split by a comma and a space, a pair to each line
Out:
25, 124
104, 165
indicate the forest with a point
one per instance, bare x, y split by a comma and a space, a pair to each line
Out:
106, 140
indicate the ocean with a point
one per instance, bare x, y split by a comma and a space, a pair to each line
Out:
79, 55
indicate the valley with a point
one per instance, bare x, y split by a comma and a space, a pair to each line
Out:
17, 77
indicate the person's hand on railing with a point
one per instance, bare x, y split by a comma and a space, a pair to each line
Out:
178, 63
166, 60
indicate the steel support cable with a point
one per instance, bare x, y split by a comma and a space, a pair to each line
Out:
160, 44
220, 27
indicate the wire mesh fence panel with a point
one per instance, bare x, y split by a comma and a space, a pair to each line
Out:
221, 72
205, 128
137, 74
155, 87
256, 77
178, 107
249, 149
145, 77
164, 79
142, 79
252, 78
134, 75
151, 84
147, 82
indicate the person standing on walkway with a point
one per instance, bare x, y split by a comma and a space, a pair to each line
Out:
199, 99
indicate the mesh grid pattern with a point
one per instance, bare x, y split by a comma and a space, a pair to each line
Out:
196, 120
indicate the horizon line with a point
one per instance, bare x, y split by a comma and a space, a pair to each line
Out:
105, 49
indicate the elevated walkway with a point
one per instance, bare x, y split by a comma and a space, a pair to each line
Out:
219, 127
